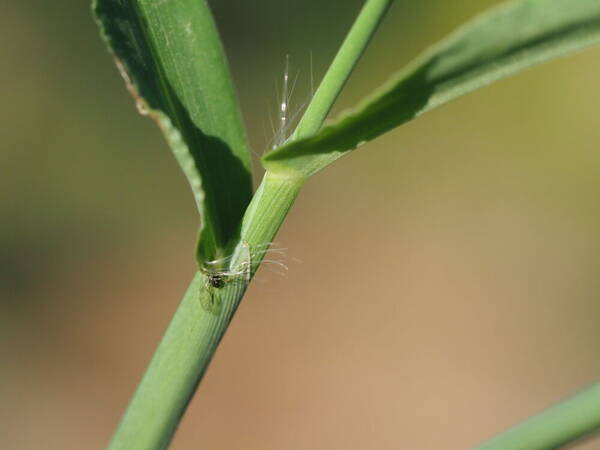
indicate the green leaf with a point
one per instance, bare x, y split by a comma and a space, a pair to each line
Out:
171, 57
503, 41
560, 424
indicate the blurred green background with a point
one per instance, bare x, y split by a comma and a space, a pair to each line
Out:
448, 284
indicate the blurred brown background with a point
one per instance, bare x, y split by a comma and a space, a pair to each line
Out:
448, 284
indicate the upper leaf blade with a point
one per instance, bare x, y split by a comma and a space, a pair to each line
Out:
171, 57
496, 44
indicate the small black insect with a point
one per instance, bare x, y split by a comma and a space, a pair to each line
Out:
217, 276
216, 280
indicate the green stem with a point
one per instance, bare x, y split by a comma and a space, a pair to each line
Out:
190, 341
342, 66
560, 424
173, 374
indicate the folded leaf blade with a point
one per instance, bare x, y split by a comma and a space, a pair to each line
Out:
171, 57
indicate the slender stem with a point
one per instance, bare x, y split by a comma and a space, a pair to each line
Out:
560, 424
189, 343
342, 66
194, 333
174, 372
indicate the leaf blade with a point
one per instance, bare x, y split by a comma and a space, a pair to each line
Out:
173, 62
501, 42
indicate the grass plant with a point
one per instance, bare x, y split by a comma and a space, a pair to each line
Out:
171, 57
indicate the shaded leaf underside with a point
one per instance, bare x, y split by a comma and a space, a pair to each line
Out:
171, 57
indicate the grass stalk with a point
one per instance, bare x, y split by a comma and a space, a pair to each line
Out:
173, 374
342, 66
191, 339
172, 58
